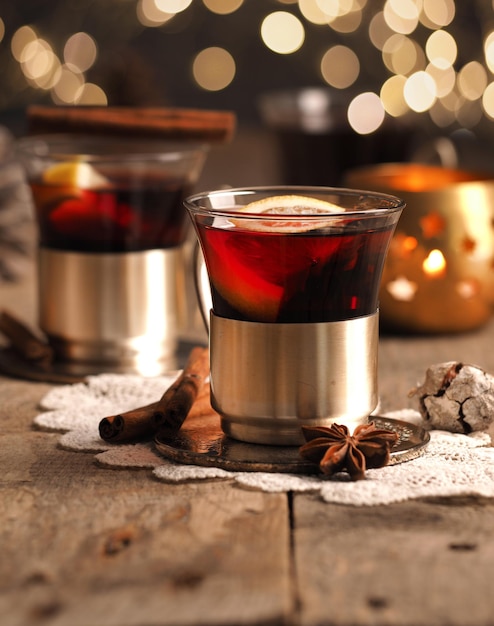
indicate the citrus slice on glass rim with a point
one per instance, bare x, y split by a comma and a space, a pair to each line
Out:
281, 207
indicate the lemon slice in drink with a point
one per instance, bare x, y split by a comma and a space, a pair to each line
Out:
74, 174
284, 206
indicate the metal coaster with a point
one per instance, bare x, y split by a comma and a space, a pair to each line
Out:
201, 441
12, 364
65, 373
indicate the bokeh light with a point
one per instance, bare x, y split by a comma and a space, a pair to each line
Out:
445, 79
379, 31
91, 94
22, 38
340, 67
314, 11
37, 59
392, 96
80, 52
214, 69
411, 53
366, 113
437, 13
488, 100
450, 101
402, 16
223, 7
64, 79
68, 87
173, 6
420, 91
402, 55
151, 15
441, 49
472, 80
348, 22
282, 32
489, 51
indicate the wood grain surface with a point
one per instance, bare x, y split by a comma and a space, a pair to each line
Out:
82, 545
414, 563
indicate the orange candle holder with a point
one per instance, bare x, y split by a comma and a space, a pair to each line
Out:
439, 273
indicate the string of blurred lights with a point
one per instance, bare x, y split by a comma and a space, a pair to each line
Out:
422, 67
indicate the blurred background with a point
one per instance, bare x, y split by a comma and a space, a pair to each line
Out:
334, 84
428, 63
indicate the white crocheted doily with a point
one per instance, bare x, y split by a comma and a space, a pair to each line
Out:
451, 464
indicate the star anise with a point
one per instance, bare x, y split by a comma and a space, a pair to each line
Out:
335, 450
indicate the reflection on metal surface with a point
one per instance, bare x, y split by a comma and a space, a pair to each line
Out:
269, 379
202, 442
114, 310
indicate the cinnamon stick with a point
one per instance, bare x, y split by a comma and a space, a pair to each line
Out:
170, 411
156, 123
176, 403
202, 404
130, 426
24, 341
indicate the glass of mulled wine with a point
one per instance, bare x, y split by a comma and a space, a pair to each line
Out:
111, 227
294, 276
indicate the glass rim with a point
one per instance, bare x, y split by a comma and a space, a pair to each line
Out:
195, 205
57, 147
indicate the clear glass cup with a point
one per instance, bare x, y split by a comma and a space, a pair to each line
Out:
294, 292
111, 227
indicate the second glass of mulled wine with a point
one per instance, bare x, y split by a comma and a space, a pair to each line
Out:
111, 229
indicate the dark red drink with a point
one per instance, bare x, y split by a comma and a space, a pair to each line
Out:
123, 216
311, 276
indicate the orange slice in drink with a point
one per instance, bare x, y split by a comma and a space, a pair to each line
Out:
256, 267
74, 174
64, 181
282, 207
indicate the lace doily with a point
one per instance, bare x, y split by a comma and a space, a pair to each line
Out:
451, 464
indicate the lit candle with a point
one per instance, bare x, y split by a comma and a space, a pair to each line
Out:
434, 265
438, 276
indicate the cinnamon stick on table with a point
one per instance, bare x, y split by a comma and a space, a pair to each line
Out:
170, 411
156, 123
24, 341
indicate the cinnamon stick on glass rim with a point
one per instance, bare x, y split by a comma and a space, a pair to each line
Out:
188, 394
145, 122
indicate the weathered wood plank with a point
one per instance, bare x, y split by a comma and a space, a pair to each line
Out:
83, 545
414, 563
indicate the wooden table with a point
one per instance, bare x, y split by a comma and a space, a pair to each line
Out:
83, 546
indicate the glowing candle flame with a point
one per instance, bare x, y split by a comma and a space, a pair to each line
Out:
435, 264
